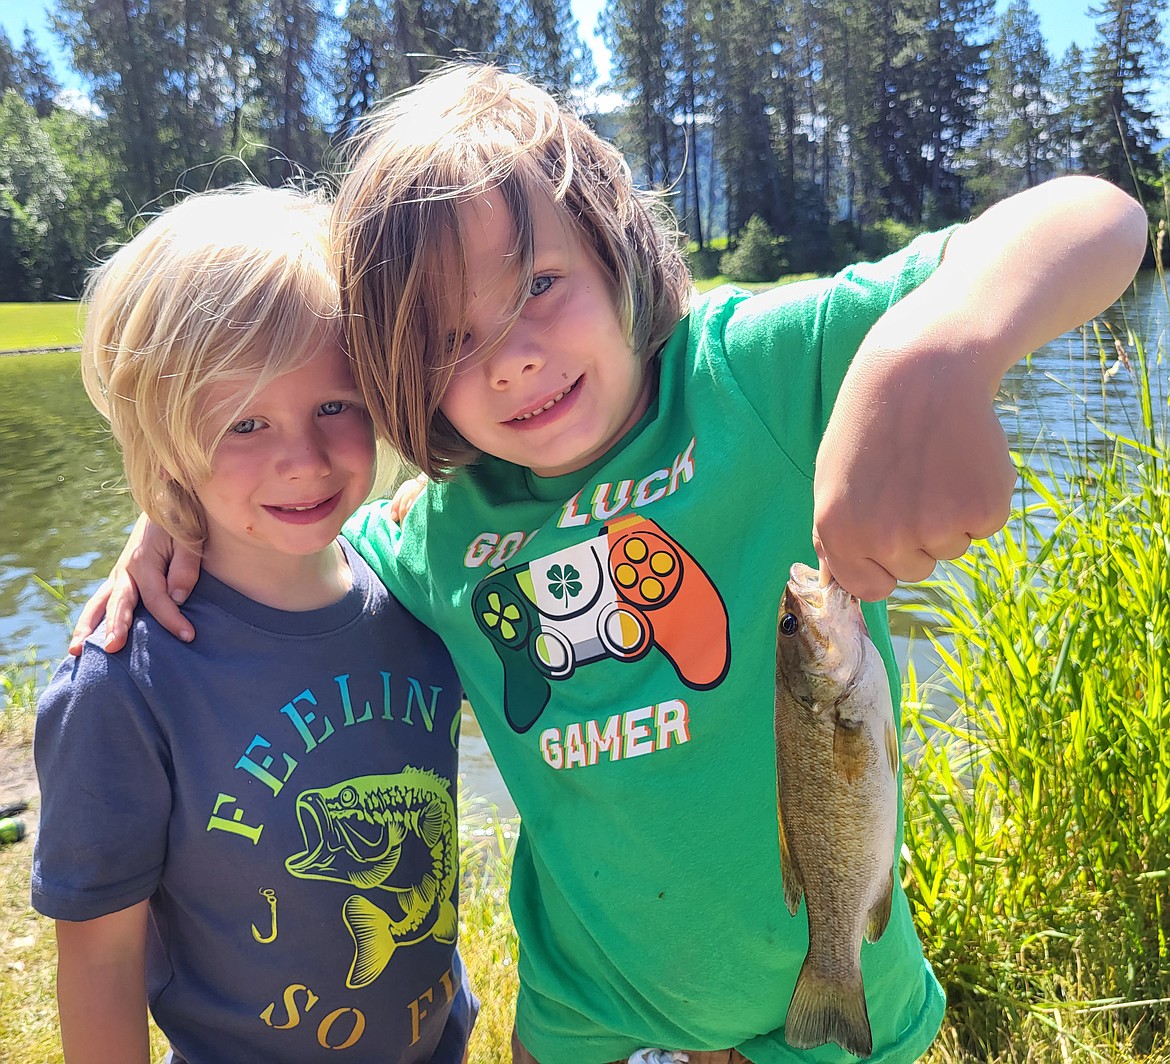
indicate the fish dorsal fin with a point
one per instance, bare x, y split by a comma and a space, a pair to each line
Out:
793, 887
372, 941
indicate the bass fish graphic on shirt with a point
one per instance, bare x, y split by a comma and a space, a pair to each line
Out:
392, 833
625, 591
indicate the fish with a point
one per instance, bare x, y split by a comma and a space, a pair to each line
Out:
837, 803
392, 833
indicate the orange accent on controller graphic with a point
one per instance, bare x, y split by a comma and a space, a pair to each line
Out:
630, 588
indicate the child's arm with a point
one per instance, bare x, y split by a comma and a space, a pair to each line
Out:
914, 463
101, 988
151, 566
161, 573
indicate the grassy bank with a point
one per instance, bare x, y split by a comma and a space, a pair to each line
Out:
1038, 818
31, 326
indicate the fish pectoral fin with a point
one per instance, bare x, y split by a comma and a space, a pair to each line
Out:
420, 897
826, 1010
432, 823
377, 872
879, 915
891, 737
373, 943
446, 923
793, 887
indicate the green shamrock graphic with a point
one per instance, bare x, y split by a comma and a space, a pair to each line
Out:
564, 583
501, 615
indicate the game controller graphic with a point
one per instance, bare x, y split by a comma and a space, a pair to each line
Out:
627, 590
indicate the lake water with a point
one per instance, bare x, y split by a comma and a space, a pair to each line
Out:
63, 517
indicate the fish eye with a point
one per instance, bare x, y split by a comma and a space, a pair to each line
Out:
789, 624
348, 796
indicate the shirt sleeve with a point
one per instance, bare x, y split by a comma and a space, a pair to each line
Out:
104, 771
789, 348
395, 557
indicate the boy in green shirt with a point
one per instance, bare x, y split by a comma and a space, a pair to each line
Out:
620, 486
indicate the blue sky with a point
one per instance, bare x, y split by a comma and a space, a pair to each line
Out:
1063, 22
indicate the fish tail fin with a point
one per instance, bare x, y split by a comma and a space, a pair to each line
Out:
373, 943
879, 915
446, 923
823, 1010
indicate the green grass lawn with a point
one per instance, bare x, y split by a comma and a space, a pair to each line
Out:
28, 326
705, 284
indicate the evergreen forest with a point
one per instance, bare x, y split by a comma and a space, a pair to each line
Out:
824, 129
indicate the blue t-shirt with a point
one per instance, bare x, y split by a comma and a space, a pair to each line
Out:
283, 791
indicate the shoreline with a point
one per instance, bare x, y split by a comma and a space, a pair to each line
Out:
39, 350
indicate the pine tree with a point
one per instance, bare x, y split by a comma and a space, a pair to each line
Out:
541, 38
120, 47
38, 85
1070, 94
944, 67
9, 64
1015, 150
639, 37
852, 105
1120, 131
741, 39
368, 63
287, 57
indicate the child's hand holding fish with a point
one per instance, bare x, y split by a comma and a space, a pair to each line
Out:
914, 464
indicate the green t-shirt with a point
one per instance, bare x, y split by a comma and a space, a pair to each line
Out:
615, 631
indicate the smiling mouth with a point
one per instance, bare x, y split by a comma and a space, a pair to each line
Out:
300, 509
306, 509
549, 405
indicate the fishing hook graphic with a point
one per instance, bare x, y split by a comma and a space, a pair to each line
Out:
270, 894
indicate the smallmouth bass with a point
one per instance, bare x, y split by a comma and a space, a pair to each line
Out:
837, 777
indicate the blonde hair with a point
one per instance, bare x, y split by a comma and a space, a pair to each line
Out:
233, 286
458, 134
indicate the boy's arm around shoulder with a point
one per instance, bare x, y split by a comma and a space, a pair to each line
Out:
101, 988
391, 536
914, 463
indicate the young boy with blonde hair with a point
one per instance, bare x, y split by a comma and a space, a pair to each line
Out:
256, 838
621, 485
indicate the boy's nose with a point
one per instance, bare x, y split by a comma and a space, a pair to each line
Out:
517, 355
305, 457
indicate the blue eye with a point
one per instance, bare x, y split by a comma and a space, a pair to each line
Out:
451, 341
540, 285
243, 428
336, 406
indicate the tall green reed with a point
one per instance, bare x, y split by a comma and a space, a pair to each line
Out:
1038, 811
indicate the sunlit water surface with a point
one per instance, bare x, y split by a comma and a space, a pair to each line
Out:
64, 516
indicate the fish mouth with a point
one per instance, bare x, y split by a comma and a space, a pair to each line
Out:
805, 583
326, 836
805, 586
